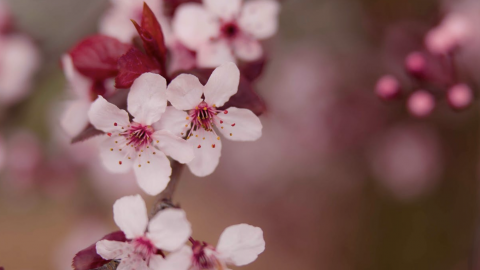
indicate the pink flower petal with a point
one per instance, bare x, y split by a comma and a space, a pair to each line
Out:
223, 84
173, 146
240, 125
247, 48
173, 120
185, 92
207, 157
106, 116
147, 99
169, 229
260, 18
130, 215
226, 10
152, 170
241, 244
215, 53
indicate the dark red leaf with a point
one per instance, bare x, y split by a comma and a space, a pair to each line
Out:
89, 259
96, 57
133, 64
151, 34
245, 98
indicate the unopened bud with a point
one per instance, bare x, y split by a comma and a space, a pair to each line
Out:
416, 64
421, 103
460, 96
388, 87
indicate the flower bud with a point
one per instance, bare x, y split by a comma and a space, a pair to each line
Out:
416, 64
421, 103
460, 96
388, 87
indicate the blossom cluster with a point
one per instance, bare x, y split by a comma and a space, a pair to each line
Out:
156, 87
433, 72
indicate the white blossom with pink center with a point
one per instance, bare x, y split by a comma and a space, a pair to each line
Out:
19, 59
74, 118
186, 93
144, 142
238, 245
168, 231
116, 22
221, 31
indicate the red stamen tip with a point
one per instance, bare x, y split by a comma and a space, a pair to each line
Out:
120, 162
225, 112
199, 146
109, 134
213, 145
115, 124
221, 122
233, 124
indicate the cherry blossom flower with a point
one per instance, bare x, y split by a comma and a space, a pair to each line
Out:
186, 93
238, 245
19, 59
168, 230
116, 22
142, 143
84, 91
221, 31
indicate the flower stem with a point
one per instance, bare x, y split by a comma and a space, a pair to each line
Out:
164, 200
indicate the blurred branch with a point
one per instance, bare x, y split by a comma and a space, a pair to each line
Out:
112, 265
164, 200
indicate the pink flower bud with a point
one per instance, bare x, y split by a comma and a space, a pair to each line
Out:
460, 96
421, 103
416, 64
388, 87
450, 34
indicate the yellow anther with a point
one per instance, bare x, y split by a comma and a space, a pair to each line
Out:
204, 108
204, 138
188, 118
111, 149
139, 165
154, 153
196, 136
158, 141
148, 162
218, 138
231, 134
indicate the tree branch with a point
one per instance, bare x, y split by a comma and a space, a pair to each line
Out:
164, 200
112, 265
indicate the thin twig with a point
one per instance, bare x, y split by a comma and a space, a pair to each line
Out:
112, 265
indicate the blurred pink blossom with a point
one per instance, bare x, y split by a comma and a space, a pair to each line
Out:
421, 103
221, 31
452, 32
416, 63
388, 87
407, 160
460, 96
19, 59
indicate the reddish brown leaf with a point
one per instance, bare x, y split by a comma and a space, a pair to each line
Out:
253, 70
133, 64
89, 259
96, 56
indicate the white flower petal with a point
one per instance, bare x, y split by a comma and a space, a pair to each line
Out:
206, 157
152, 170
247, 48
78, 83
106, 116
241, 244
179, 260
130, 215
111, 250
169, 229
147, 99
173, 146
227, 10
193, 25
116, 23
156, 262
246, 125
174, 121
214, 53
223, 84
260, 18
185, 92
114, 159
75, 116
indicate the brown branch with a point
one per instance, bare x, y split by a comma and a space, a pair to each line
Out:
112, 265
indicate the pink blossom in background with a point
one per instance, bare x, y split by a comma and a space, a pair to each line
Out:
238, 245
407, 160
222, 31
453, 31
460, 96
388, 87
81, 91
116, 22
416, 63
19, 60
421, 103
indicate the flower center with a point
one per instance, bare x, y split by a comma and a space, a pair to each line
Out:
204, 257
144, 247
230, 30
138, 135
203, 118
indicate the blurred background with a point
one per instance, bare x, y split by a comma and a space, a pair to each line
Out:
339, 180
